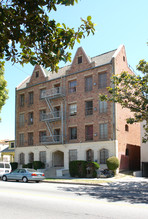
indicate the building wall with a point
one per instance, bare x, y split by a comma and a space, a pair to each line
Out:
132, 136
117, 139
80, 147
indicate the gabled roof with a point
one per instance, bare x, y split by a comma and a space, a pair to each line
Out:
99, 60
104, 58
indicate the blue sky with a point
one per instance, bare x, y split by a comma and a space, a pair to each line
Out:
117, 22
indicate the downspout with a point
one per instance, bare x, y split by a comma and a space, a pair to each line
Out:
114, 113
15, 121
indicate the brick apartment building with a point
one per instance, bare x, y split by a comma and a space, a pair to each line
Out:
60, 118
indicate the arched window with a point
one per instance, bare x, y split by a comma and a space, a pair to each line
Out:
31, 157
89, 155
104, 154
22, 158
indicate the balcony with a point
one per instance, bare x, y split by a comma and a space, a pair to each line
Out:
53, 93
54, 139
51, 117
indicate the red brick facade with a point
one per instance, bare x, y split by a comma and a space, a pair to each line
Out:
73, 80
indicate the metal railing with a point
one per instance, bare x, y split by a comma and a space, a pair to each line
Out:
55, 115
54, 139
53, 92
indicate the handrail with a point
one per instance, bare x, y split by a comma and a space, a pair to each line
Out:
52, 92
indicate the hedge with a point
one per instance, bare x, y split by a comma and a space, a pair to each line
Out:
79, 168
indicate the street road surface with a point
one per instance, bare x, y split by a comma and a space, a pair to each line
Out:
50, 200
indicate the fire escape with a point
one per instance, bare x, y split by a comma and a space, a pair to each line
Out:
55, 114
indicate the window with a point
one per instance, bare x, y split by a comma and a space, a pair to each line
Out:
31, 157
42, 156
103, 130
42, 135
126, 128
72, 86
37, 74
30, 98
88, 83
102, 106
72, 109
21, 139
102, 80
57, 88
12, 145
79, 59
57, 112
42, 93
89, 132
104, 155
22, 100
22, 158
30, 138
30, 118
72, 155
42, 114
89, 155
124, 58
73, 133
88, 107
21, 120
57, 135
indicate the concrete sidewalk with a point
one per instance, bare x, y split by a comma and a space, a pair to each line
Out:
98, 181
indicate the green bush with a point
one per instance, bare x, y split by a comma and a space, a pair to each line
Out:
14, 165
79, 168
28, 165
112, 163
38, 165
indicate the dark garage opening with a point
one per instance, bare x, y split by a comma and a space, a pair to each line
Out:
145, 169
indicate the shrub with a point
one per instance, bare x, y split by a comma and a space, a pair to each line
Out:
28, 165
112, 163
79, 168
38, 165
14, 165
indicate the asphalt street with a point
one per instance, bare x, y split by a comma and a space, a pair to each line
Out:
49, 200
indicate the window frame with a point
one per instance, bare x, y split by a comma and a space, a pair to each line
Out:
102, 80
22, 100
103, 106
31, 97
104, 155
88, 136
30, 138
72, 86
72, 133
88, 109
103, 131
73, 109
88, 84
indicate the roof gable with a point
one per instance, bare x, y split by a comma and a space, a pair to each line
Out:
38, 75
80, 62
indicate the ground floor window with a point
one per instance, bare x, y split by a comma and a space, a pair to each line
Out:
42, 156
31, 157
89, 155
22, 158
104, 155
72, 155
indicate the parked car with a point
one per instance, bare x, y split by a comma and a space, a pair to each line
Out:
5, 167
25, 175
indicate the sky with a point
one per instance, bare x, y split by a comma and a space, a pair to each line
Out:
117, 22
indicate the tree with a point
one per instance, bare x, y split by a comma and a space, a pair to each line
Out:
28, 35
131, 92
3, 84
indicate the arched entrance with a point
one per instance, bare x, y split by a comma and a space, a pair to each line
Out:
58, 159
